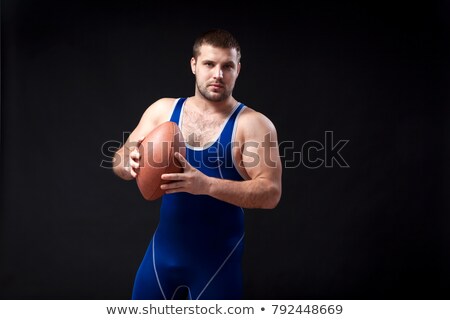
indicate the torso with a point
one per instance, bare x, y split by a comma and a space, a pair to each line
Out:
198, 129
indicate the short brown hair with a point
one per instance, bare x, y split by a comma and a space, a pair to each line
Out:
217, 38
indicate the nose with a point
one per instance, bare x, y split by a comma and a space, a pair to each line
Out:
218, 73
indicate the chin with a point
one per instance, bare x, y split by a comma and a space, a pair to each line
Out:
215, 97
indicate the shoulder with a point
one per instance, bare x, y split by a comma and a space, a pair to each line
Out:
164, 102
252, 123
160, 110
157, 113
162, 105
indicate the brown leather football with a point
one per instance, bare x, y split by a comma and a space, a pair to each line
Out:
157, 157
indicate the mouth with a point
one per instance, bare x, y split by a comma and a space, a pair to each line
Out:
216, 85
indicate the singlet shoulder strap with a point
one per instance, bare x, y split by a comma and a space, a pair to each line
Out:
227, 133
225, 147
177, 111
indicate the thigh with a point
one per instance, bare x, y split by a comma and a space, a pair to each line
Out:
147, 285
225, 285
222, 281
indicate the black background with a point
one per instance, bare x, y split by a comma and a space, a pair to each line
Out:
77, 74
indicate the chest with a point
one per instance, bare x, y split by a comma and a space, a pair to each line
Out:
199, 129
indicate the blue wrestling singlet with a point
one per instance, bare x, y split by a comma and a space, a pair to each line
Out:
196, 250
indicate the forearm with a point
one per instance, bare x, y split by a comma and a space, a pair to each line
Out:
257, 193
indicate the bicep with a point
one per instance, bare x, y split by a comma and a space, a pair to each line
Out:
260, 153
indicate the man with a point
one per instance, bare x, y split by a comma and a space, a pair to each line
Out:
232, 162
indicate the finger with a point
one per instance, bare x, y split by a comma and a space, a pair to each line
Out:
172, 176
134, 164
173, 190
133, 173
135, 155
173, 185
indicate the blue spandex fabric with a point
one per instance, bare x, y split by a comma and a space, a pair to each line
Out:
196, 250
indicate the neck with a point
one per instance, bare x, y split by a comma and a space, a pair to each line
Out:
208, 106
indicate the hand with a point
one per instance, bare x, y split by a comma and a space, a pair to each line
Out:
133, 158
191, 180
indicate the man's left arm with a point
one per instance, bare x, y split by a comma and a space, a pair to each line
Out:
261, 161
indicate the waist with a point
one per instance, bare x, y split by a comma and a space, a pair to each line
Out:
187, 213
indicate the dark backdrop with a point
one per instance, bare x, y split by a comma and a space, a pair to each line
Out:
77, 75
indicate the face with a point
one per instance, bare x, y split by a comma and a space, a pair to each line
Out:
216, 71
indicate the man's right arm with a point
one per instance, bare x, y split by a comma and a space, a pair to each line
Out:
122, 166
126, 159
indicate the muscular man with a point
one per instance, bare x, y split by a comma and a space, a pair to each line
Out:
232, 162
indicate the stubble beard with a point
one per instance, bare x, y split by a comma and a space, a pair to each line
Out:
213, 97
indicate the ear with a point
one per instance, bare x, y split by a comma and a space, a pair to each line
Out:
238, 68
193, 64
